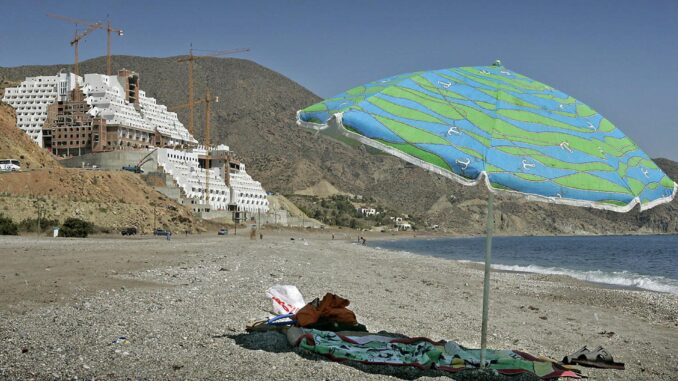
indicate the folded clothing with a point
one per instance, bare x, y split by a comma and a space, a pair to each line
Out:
331, 308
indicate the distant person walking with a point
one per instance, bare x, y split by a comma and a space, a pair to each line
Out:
169, 235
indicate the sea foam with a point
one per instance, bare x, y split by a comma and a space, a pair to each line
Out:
617, 278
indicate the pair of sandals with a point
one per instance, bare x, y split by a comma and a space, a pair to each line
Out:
598, 358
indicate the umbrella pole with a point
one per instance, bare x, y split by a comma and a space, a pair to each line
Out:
486, 281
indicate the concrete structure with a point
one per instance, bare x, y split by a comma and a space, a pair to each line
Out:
113, 160
102, 113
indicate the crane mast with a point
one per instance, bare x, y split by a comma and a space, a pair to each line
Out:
110, 29
207, 99
190, 59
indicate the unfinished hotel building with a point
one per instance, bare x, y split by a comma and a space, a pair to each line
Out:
72, 116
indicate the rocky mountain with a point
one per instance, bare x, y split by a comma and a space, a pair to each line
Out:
256, 118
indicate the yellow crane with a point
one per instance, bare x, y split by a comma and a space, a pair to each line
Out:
91, 26
207, 99
190, 59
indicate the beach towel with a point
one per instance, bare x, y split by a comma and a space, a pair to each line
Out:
421, 353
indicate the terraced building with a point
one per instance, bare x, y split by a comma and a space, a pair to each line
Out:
71, 115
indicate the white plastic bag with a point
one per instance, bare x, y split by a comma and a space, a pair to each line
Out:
285, 299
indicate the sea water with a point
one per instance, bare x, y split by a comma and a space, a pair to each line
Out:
646, 262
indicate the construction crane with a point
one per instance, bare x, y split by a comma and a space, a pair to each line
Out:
190, 58
207, 99
110, 29
91, 26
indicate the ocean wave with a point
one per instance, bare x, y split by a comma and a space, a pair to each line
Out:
617, 278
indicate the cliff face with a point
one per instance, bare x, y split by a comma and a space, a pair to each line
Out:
256, 118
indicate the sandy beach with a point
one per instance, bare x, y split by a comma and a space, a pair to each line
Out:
183, 306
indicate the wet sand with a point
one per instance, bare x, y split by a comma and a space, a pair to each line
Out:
183, 306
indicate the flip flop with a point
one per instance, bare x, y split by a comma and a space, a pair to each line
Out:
598, 358
581, 353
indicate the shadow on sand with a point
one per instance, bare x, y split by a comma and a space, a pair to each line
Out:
276, 342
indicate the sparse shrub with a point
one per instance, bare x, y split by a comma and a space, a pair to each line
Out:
30, 224
180, 219
75, 227
7, 226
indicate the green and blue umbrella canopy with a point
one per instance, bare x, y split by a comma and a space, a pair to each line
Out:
490, 123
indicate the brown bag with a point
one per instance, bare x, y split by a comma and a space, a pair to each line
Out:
330, 308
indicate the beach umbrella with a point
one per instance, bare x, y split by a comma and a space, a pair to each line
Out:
490, 124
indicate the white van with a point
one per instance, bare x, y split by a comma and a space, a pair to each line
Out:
9, 165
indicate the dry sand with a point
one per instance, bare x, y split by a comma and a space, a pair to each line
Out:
183, 305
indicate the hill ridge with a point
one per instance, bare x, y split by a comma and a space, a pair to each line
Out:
256, 118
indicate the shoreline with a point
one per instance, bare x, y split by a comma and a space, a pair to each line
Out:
601, 278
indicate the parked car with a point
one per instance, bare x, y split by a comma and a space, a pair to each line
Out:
161, 232
129, 231
223, 231
9, 165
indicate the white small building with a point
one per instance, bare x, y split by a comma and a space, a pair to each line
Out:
367, 211
403, 226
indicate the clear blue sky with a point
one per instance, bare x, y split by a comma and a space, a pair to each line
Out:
617, 56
